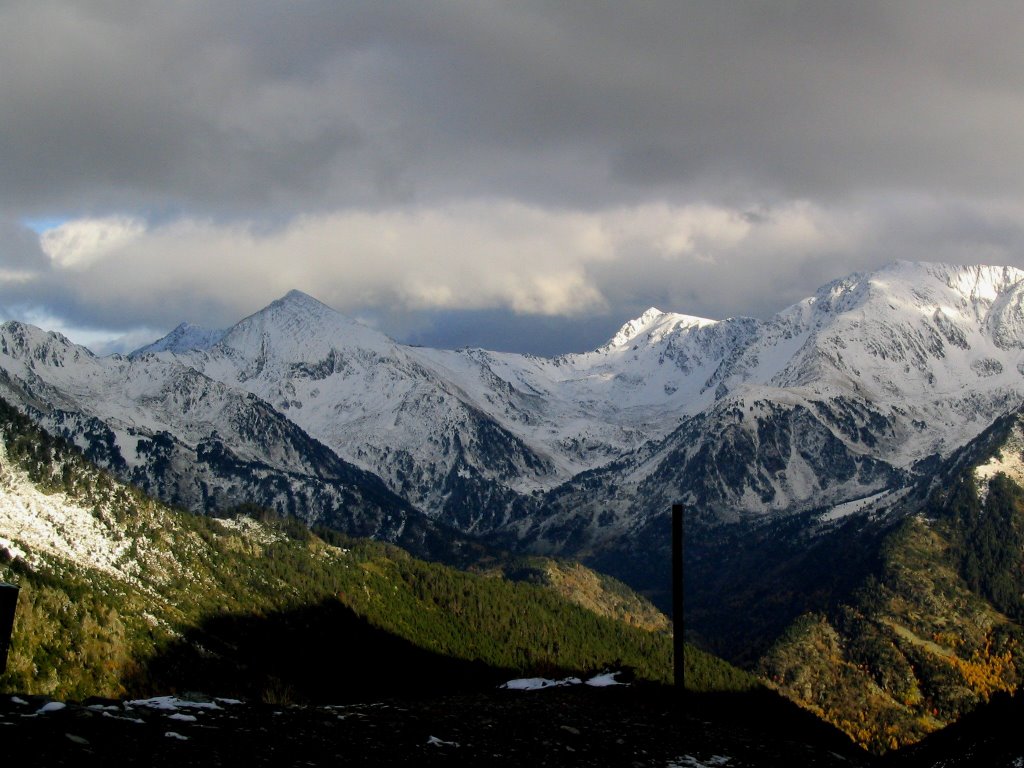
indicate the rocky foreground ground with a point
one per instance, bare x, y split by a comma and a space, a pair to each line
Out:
579, 726
574, 726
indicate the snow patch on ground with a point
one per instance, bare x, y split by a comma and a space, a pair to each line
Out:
136, 720
689, 761
433, 741
538, 683
603, 681
171, 703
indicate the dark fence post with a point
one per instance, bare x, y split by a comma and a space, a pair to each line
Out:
677, 597
8, 602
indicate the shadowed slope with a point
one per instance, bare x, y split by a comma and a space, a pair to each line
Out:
323, 653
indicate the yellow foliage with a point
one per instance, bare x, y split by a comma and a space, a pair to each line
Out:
984, 673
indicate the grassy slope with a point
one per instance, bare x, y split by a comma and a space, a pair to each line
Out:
585, 587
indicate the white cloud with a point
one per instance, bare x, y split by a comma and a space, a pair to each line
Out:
470, 256
466, 256
81, 242
498, 255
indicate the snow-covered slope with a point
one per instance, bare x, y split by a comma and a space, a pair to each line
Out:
53, 523
182, 339
835, 398
378, 404
190, 440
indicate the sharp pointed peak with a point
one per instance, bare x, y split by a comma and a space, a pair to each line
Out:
300, 327
299, 298
295, 304
293, 307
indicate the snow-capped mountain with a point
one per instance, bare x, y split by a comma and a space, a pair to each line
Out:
192, 441
835, 398
378, 404
184, 338
832, 398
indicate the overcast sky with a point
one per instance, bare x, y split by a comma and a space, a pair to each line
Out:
515, 175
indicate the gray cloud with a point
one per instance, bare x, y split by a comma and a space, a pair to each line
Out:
20, 250
844, 135
243, 108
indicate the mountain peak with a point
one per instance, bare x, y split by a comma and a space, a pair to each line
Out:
297, 298
186, 337
299, 327
650, 314
973, 282
299, 307
634, 328
25, 336
652, 321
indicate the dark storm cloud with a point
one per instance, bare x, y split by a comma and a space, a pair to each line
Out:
715, 158
20, 250
258, 107
499, 330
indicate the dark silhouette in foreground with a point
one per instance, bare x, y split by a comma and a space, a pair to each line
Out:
320, 686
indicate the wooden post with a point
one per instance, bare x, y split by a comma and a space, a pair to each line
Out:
8, 602
677, 597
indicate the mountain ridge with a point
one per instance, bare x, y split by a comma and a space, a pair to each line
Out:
842, 396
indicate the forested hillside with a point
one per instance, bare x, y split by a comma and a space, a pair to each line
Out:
120, 595
934, 629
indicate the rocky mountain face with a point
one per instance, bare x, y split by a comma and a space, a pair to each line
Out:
834, 399
845, 397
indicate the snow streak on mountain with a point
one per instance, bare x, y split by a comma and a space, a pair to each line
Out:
842, 396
